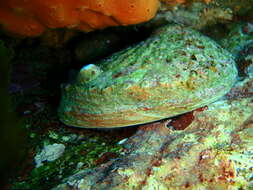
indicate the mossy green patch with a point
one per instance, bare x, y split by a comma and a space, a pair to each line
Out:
37, 106
85, 151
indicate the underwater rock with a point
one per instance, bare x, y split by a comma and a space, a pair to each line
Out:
240, 35
49, 153
97, 45
245, 61
214, 152
174, 71
239, 42
200, 14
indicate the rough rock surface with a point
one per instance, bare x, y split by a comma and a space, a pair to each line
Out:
213, 152
49, 153
209, 149
199, 14
174, 71
240, 36
245, 61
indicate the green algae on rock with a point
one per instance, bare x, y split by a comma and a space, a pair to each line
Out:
213, 153
174, 71
240, 35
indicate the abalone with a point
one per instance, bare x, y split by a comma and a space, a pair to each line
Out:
174, 71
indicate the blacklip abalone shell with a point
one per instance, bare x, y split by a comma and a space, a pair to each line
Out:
174, 71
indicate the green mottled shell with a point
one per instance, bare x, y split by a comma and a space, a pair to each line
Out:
174, 71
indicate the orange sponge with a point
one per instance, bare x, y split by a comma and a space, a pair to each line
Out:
55, 13
20, 24
132, 11
176, 2
32, 17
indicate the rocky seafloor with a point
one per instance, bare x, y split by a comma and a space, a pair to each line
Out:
209, 148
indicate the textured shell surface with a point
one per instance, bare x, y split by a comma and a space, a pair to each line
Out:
174, 71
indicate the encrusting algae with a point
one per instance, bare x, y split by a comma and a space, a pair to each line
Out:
174, 71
